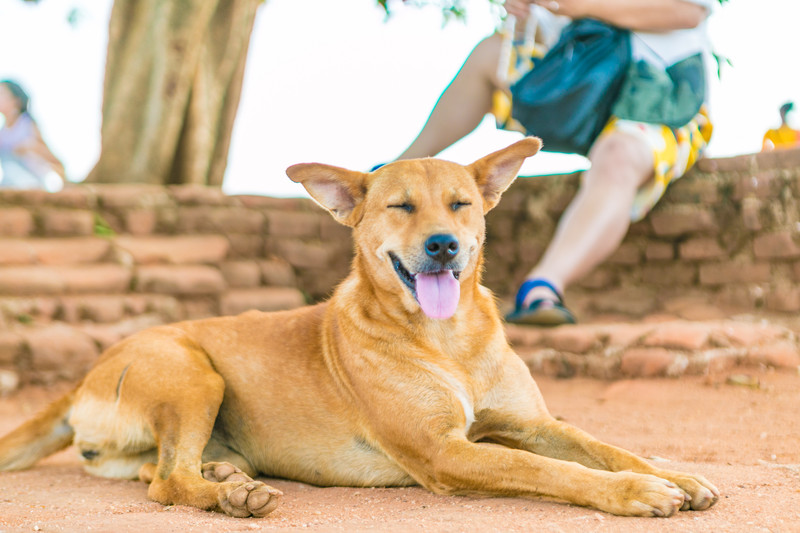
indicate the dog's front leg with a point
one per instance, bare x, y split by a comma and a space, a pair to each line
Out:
559, 440
463, 467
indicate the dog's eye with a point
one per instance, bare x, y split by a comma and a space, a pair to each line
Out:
405, 206
455, 206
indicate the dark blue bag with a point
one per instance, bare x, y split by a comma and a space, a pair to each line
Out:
567, 96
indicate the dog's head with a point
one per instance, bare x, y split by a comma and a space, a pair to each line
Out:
418, 224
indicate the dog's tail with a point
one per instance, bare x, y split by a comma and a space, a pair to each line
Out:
42, 435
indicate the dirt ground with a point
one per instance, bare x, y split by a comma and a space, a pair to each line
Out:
744, 438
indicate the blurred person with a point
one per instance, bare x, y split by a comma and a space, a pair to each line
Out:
784, 136
26, 162
632, 162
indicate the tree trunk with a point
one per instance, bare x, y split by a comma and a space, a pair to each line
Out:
172, 86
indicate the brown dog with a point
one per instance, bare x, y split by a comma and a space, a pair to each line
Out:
404, 377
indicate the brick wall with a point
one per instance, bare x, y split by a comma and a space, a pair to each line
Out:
84, 267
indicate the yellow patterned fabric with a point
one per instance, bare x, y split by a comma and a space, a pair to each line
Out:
674, 152
519, 63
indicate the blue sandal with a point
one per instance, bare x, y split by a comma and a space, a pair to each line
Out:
541, 312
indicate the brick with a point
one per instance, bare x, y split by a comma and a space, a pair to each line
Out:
200, 195
15, 222
319, 283
264, 299
651, 362
245, 246
69, 251
103, 309
777, 245
635, 302
751, 214
74, 196
197, 307
140, 221
781, 354
626, 254
268, 202
11, 346
96, 279
691, 189
524, 337
22, 281
106, 335
15, 252
784, 299
28, 197
224, 220
669, 274
701, 248
60, 352
739, 296
600, 278
752, 334
702, 312
114, 196
679, 335
682, 220
26, 309
574, 339
239, 274
723, 273
277, 272
189, 279
728, 164
330, 230
51, 280
624, 335
761, 185
659, 251
309, 255
174, 250
67, 222
285, 224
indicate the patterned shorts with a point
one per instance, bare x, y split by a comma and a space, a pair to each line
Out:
674, 150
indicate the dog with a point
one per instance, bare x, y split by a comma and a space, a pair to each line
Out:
403, 377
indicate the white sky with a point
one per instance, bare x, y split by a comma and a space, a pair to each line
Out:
332, 82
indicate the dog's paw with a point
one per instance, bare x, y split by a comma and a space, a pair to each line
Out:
699, 493
634, 494
241, 496
220, 472
250, 499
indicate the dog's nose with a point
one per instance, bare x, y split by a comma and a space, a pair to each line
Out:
441, 247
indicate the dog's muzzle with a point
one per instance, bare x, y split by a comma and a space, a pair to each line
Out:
435, 284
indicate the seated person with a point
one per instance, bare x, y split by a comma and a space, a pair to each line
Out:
26, 162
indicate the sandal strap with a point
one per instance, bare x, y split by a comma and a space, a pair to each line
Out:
531, 284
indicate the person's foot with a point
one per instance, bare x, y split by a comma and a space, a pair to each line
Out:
539, 303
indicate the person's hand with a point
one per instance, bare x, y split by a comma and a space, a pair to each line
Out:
569, 8
518, 8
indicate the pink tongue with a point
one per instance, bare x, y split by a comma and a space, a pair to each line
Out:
437, 293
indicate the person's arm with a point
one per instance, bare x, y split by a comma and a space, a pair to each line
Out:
38, 147
647, 16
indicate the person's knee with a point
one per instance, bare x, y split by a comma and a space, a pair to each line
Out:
485, 57
620, 160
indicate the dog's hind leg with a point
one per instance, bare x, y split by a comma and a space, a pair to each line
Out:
173, 386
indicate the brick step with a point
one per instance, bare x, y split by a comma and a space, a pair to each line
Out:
662, 349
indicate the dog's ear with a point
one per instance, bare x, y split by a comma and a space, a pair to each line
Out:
336, 189
495, 172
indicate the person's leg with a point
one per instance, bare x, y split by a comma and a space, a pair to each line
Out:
598, 218
463, 104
